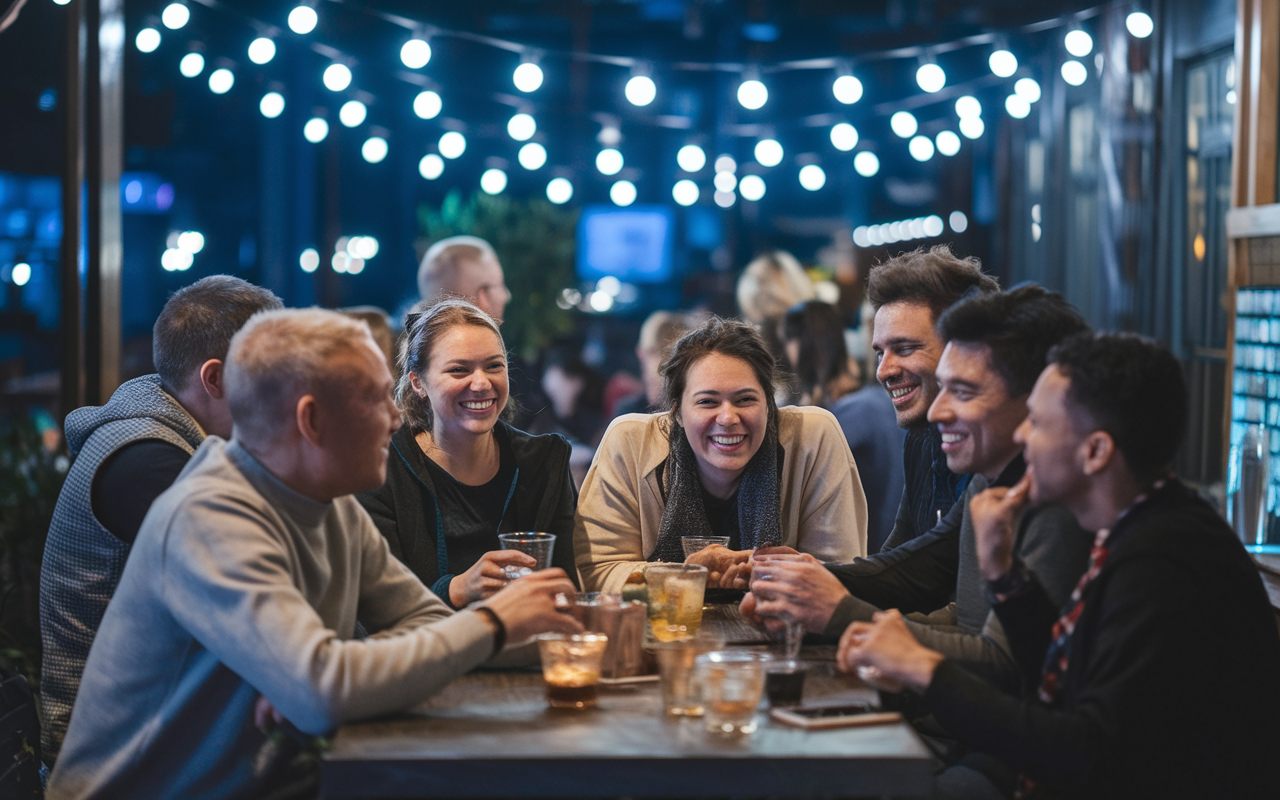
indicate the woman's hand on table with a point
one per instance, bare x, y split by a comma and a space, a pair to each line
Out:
724, 566
527, 606
486, 576
797, 587
885, 654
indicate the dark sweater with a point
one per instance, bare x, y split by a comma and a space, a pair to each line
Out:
931, 490
1172, 689
407, 513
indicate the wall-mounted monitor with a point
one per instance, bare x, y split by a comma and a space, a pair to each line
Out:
632, 244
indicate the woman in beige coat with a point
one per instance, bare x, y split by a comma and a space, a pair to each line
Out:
724, 461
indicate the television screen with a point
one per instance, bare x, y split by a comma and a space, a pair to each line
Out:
632, 244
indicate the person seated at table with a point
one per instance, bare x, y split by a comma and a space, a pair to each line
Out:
996, 346
458, 474
813, 339
246, 578
724, 460
1157, 677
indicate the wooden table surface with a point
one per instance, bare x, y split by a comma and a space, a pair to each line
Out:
491, 734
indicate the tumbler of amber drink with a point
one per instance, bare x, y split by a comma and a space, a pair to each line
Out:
571, 667
732, 682
675, 600
681, 695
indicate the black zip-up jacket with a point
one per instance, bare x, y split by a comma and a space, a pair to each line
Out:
1172, 688
405, 508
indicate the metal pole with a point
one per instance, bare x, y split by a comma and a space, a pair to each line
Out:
71, 390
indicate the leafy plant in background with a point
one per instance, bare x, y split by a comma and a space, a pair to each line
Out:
30, 478
535, 242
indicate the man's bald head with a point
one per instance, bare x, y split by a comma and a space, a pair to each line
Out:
466, 267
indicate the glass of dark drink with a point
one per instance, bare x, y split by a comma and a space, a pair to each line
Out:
784, 683
571, 667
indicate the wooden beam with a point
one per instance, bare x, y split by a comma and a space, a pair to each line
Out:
1267, 107
1251, 221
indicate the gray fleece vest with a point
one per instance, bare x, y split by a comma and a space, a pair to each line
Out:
83, 561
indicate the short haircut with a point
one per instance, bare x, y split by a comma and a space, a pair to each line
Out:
661, 329
726, 337
818, 328
1132, 388
770, 285
438, 273
423, 327
198, 321
280, 356
933, 278
1020, 326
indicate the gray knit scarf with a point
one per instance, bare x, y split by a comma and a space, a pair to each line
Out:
759, 497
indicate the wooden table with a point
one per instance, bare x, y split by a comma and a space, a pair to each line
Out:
491, 734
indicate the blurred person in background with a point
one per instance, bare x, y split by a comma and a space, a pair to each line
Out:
660, 330
814, 342
722, 460
458, 474
771, 284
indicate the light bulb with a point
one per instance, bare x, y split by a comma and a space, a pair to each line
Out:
337, 77
262, 50
959, 222
221, 80
691, 158
527, 77
1139, 24
768, 152
866, 163
972, 127
271, 105
1078, 43
374, 149
1027, 89
175, 15
1017, 107
452, 144
609, 161
725, 182
427, 104
1003, 63
904, 124
431, 166
751, 187
532, 156
493, 181
931, 78
352, 113
948, 143
812, 177
968, 106
191, 65
1074, 73
315, 130
685, 192
640, 90
309, 260
303, 19
415, 53
148, 40
847, 89
920, 148
559, 190
752, 94
622, 193
522, 127
844, 136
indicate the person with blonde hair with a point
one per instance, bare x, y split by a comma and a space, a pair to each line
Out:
238, 605
459, 475
770, 285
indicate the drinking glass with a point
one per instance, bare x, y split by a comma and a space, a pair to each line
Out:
571, 667
1247, 484
681, 694
538, 545
732, 682
694, 544
675, 599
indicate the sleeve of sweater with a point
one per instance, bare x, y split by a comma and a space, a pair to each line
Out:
833, 522
226, 577
1140, 631
562, 520
607, 537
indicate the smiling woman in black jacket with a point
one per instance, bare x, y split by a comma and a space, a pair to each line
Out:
457, 475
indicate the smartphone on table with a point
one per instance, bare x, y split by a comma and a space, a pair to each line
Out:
846, 715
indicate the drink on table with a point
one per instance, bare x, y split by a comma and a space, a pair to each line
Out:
675, 600
784, 683
696, 544
732, 682
681, 694
571, 668
537, 545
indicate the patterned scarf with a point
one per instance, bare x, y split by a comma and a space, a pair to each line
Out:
759, 497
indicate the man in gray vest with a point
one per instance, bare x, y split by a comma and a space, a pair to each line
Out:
126, 453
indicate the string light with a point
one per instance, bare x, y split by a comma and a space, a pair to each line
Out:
147, 40
532, 156
427, 105
431, 166
727, 164
968, 106
1078, 43
768, 153
685, 192
522, 127
527, 77
21, 273
725, 182
271, 105
191, 241
904, 124
691, 158
493, 181
191, 65
315, 130
1139, 24
948, 143
903, 230
1027, 89
640, 90
812, 177
309, 260
844, 136
751, 187
1003, 63
931, 77
337, 77
352, 113
221, 80
920, 148
847, 89
452, 144
609, 162
175, 260
262, 50
1017, 106
1074, 73
175, 15
559, 190
972, 127
303, 19
724, 199
374, 149
752, 94
415, 53
866, 163
622, 193
958, 221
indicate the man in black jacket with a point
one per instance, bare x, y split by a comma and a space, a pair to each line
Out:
1158, 677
